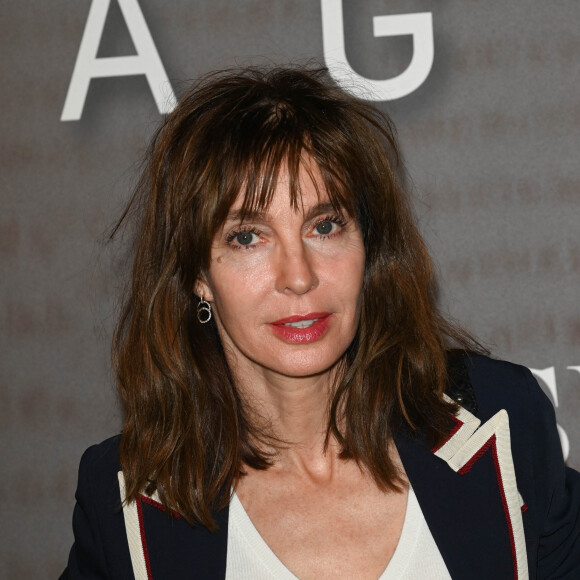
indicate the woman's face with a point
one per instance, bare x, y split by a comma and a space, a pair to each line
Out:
285, 285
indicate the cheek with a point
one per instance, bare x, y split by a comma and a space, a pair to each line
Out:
348, 272
237, 290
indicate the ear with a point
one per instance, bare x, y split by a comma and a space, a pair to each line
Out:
203, 289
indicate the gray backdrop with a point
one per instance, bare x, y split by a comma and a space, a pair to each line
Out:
490, 141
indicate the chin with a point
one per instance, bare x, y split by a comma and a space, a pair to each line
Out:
306, 366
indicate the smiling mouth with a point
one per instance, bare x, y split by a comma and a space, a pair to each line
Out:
302, 323
302, 329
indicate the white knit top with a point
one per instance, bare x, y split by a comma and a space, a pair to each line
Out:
250, 558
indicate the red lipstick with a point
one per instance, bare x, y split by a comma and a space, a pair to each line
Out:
302, 328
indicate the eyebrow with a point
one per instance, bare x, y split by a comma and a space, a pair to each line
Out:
319, 209
237, 215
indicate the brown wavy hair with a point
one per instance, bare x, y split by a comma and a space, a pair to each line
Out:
187, 434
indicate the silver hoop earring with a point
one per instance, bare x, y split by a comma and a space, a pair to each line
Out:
203, 310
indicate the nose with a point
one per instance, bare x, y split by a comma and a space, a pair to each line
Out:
296, 272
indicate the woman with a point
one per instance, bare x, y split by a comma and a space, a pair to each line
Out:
292, 407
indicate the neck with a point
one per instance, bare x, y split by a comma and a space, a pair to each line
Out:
295, 411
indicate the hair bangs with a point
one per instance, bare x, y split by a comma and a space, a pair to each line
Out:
272, 150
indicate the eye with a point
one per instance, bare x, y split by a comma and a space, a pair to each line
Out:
324, 227
245, 238
329, 226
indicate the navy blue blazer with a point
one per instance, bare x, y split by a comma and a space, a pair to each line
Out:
497, 497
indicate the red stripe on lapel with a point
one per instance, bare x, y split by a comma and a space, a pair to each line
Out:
456, 427
470, 442
139, 502
505, 505
491, 442
467, 467
157, 505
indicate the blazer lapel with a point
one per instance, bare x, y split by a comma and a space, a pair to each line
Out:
468, 494
164, 546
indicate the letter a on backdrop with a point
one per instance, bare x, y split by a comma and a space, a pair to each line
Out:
146, 62
419, 25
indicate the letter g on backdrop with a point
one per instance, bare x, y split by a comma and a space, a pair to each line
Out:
419, 25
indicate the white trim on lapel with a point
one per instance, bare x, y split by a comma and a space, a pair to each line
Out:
468, 442
135, 534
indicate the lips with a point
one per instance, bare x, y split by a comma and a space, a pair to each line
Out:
302, 328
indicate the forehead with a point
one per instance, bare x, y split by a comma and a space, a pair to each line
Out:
297, 184
299, 191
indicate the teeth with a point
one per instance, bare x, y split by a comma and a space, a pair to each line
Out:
301, 323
